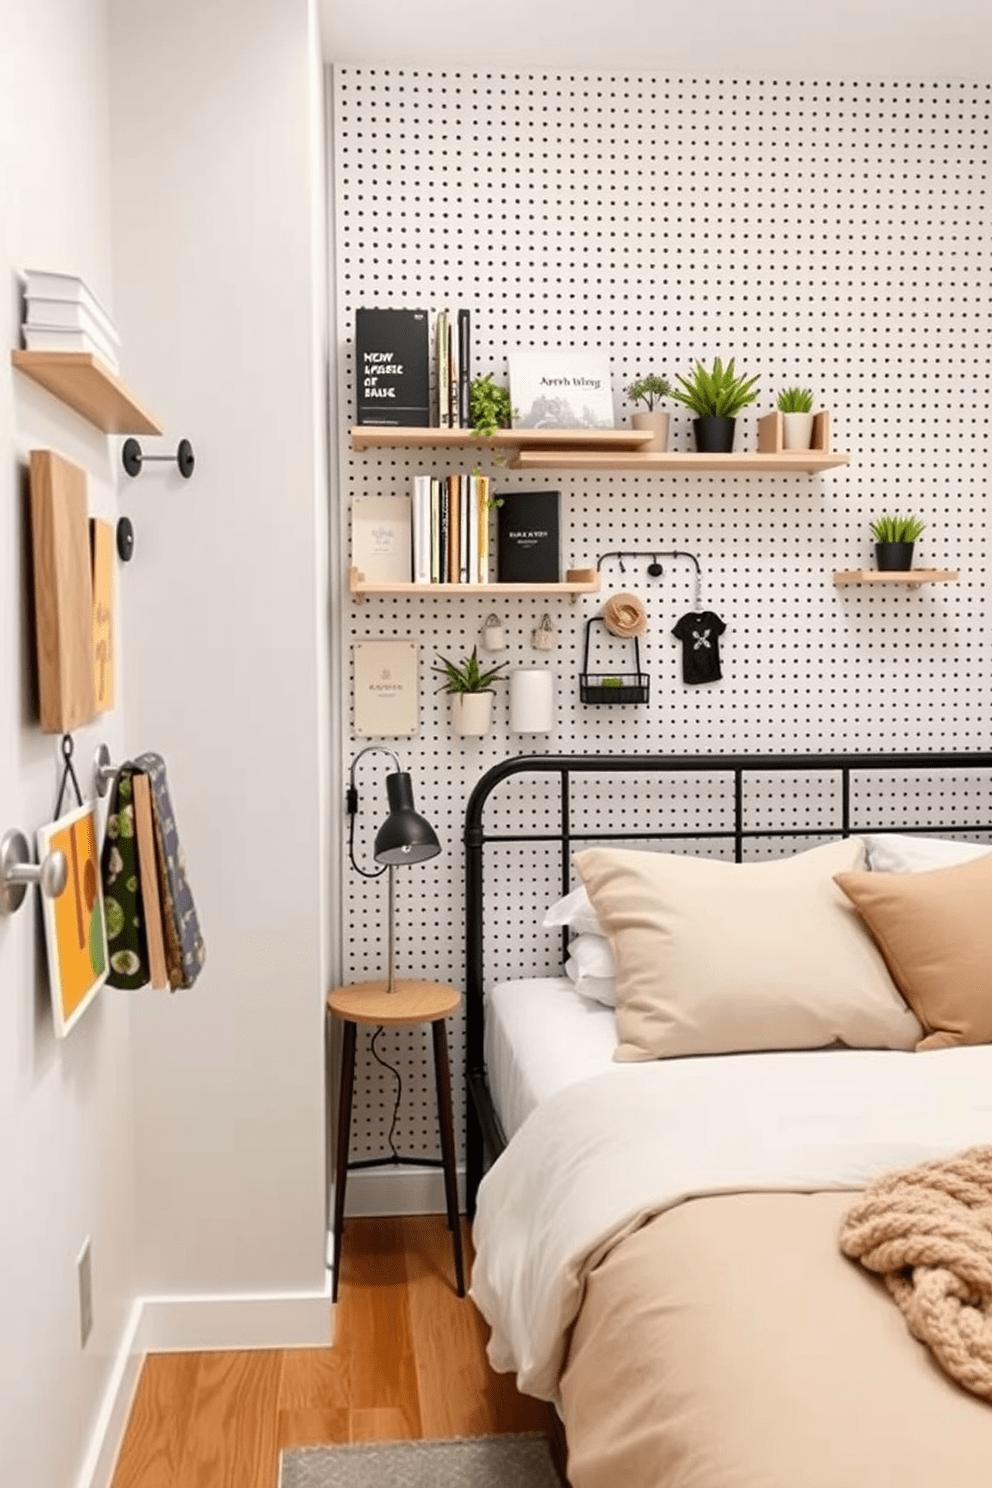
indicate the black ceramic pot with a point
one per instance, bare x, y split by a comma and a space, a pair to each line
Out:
714, 435
894, 557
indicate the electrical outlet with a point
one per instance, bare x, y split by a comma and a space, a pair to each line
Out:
84, 1275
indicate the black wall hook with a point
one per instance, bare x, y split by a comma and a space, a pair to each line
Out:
132, 457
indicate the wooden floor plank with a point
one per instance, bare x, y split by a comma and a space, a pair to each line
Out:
315, 1377
159, 1420
408, 1361
314, 1427
452, 1371
381, 1423
373, 1321
232, 1440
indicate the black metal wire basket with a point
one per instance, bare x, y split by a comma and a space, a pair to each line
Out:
612, 687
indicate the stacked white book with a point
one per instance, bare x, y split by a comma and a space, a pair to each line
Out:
61, 313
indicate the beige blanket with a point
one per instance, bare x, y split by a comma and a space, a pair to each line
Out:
927, 1231
729, 1344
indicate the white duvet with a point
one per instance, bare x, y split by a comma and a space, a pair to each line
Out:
597, 1159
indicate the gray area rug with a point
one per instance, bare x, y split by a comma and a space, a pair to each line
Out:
521, 1461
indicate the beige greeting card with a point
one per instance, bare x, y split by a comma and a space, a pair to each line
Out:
385, 689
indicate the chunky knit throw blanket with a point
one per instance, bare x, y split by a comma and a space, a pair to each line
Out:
927, 1231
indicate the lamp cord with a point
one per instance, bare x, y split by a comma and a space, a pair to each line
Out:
399, 1087
351, 805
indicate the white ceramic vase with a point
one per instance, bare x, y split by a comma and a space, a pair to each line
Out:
657, 422
471, 713
532, 700
797, 431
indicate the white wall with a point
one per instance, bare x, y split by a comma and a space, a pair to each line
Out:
727, 38
218, 193
66, 1165
203, 231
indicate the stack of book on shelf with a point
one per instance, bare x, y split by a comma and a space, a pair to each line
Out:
396, 387
61, 313
451, 529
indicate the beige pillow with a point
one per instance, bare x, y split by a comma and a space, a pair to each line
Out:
935, 931
716, 957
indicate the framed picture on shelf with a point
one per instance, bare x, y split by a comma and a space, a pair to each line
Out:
75, 926
561, 390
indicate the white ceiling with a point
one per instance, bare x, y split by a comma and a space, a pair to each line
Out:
727, 38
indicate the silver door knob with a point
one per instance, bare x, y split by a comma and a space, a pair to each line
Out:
17, 871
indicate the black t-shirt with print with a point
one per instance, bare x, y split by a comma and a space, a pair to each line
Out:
698, 633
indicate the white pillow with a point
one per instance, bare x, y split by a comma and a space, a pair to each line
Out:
576, 912
593, 970
892, 853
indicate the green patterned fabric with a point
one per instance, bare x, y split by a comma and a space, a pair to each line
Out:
126, 944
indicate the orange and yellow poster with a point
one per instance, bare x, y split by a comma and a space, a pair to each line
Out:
75, 930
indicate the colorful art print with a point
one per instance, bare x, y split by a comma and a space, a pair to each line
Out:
75, 928
561, 390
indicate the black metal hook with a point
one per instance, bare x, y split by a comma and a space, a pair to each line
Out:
654, 567
133, 459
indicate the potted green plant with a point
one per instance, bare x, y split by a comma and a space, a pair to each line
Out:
489, 406
895, 538
795, 404
470, 687
648, 390
716, 396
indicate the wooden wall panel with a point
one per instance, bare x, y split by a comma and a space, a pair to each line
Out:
63, 592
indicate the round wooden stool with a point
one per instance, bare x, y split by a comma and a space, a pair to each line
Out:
411, 1003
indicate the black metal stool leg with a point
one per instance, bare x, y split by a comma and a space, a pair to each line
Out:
344, 1136
447, 1126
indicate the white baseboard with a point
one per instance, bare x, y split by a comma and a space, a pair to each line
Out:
255, 1321
115, 1408
190, 1324
401, 1190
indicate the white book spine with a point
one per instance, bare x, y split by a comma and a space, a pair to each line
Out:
45, 338
40, 284
464, 536
473, 530
68, 315
421, 529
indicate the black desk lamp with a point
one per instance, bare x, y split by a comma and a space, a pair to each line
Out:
404, 837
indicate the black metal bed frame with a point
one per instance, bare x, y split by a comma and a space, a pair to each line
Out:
485, 1138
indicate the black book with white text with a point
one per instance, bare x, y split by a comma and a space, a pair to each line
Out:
528, 537
392, 368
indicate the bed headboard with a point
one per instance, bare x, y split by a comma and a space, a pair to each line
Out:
854, 793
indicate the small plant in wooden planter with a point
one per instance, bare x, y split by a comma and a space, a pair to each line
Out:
471, 689
650, 390
895, 538
716, 396
795, 404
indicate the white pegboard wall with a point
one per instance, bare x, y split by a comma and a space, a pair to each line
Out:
830, 233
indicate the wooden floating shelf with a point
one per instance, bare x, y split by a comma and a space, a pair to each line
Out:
684, 462
914, 577
83, 382
579, 581
616, 449
373, 436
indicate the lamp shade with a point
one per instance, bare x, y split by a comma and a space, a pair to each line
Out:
404, 837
